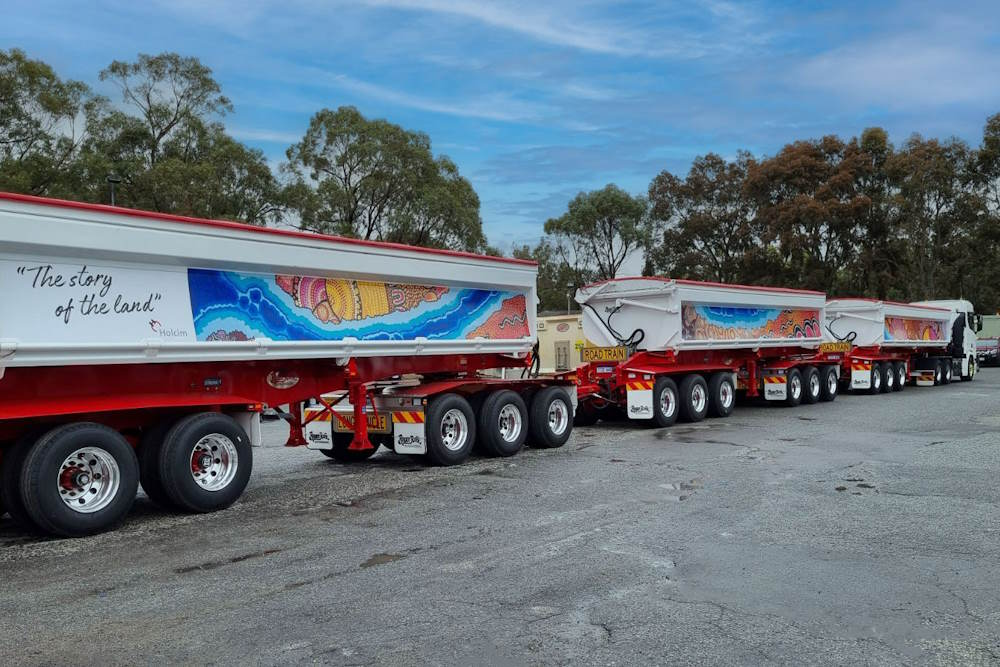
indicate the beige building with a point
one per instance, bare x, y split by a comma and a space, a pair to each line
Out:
560, 342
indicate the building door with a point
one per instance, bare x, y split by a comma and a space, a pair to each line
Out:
562, 355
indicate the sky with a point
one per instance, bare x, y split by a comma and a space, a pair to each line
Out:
537, 101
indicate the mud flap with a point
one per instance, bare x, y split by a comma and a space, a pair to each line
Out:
861, 375
319, 434
775, 388
407, 437
640, 399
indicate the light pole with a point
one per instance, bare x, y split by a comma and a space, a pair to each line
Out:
569, 292
113, 179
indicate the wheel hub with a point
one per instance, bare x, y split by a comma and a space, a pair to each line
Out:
214, 462
88, 480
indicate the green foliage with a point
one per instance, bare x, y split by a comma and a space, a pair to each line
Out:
372, 179
557, 278
40, 118
599, 231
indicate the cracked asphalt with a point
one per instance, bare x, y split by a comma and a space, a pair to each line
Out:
865, 531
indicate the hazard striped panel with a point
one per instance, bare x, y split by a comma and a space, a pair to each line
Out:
639, 385
408, 417
861, 365
774, 379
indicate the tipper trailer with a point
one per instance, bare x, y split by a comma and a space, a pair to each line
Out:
926, 343
668, 349
140, 348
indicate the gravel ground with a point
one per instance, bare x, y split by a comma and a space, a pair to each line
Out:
865, 531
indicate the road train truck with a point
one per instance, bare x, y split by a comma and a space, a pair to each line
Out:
925, 343
665, 349
140, 348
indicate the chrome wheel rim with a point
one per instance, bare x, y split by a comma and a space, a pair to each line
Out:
510, 423
726, 394
814, 385
558, 416
901, 375
454, 430
890, 379
795, 386
88, 480
699, 399
877, 380
214, 462
668, 402
831, 384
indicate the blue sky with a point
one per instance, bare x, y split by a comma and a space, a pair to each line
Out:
537, 101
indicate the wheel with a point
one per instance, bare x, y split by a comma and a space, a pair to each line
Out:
946, 371
971, 365
888, 377
938, 373
665, 404
340, 451
451, 430
877, 377
549, 425
503, 423
813, 385
149, 464
586, 415
79, 479
694, 398
721, 394
793, 395
10, 481
205, 462
899, 368
830, 383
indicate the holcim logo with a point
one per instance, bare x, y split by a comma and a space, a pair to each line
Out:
158, 327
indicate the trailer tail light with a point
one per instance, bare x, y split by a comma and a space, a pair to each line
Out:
255, 407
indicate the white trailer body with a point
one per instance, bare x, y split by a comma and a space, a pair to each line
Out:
885, 334
96, 285
689, 315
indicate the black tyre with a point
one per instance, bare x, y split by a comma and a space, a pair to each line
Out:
341, 452
812, 385
971, 365
451, 430
946, 371
888, 377
586, 415
549, 425
10, 481
899, 368
793, 387
721, 394
149, 464
503, 423
830, 383
79, 479
938, 373
878, 378
666, 405
205, 462
693, 398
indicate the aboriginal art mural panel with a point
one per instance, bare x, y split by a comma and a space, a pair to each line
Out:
905, 328
706, 322
240, 306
